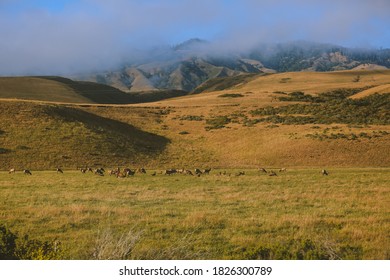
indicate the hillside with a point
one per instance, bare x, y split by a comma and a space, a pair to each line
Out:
294, 119
35, 88
232, 126
63, 90
41, 136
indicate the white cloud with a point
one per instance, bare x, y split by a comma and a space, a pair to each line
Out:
98, 34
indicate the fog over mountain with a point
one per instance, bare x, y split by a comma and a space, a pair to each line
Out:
187, 65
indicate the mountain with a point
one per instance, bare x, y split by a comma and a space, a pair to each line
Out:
184, 74
307, 56
193, 62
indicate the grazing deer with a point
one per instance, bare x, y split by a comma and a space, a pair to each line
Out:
141, 170
198, 171
27, 172
12, 170
324, 172
99, 172
272, 173
59, 170
170, 171
188, 172
113, 172
207, 171
129, 172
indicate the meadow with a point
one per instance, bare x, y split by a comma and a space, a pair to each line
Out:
298, 214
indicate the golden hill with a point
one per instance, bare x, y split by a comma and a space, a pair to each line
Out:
58, 89
63, 90
239, 126
40, 136
316, 82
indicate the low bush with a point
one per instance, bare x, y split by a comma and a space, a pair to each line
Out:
217, 122
12, 247
231, 95
191, 118
183, 132
4, 151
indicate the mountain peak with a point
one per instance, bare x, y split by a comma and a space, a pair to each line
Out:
190, 44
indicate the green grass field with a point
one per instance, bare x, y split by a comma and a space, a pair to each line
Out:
297, 214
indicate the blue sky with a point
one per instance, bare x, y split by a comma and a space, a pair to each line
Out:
60, 34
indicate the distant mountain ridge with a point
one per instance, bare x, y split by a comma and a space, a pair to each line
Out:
191, 63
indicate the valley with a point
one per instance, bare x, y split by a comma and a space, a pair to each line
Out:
301, 122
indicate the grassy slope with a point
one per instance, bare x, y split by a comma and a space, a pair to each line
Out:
179, 141
268, 145
316, 82
35, 88
63, 90
40, 136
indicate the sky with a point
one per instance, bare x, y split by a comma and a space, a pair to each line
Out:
59, 37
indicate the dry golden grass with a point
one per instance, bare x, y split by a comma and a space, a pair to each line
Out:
213, 216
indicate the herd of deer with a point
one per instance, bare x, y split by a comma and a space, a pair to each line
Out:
126, 172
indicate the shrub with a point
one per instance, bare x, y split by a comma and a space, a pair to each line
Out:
7, 244
191, 118
14, 248
231, 95
30, 249
217, 122
4, 151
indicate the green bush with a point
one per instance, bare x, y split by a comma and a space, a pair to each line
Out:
13, 247
217, 122
4, 151
7, 244
231, 95
183, 132
191, 118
